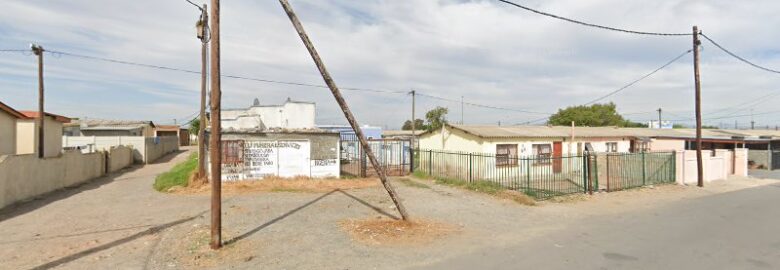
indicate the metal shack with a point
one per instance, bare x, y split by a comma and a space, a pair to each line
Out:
253, 154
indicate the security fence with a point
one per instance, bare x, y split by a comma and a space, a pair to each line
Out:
393, 155
543, 177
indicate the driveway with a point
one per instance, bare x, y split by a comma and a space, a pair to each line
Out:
110, 223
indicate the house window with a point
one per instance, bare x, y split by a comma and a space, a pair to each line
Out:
612, 147
542, 152
232, 152
506, 154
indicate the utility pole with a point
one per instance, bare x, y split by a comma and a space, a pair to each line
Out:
38, 51
343, 104
215, 144
414, 121
736, 125
461, 110
659, 118
204, 40
752, 123
699, 164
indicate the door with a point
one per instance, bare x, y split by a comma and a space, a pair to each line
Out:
557, 154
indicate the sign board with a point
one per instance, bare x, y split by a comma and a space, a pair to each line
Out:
258, 159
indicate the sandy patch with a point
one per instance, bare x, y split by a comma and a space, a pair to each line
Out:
281, 185
197, 253
517, 197
385, 231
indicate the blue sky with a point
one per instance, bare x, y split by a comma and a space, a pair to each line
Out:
485, 51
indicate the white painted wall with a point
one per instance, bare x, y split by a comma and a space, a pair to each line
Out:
27, 137
718, 167
293, 115
145, 149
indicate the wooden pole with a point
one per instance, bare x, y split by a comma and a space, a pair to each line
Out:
699, 164
38, 51
659, 118
414, 123
203, 80
343, 104
215, 145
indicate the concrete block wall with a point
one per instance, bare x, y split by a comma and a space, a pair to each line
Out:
719, 166
145, 149
119, 157
26, 176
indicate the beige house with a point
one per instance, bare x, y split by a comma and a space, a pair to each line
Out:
27, 134
110, 128
8, 119
526, 141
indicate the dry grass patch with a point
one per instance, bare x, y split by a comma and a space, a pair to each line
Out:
283, 185
194, 250
385, 231
517, 197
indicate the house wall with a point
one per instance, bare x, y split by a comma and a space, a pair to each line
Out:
27, 134
284, 155
24, 177
667, 145
115, 133
459, 141
7, 134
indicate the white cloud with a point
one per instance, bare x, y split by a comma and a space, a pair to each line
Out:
488, 52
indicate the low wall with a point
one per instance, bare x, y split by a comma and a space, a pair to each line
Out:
760, 158
26, 176
119, 157
145, 149
716, 167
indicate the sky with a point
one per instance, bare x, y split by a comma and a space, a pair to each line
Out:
482, 51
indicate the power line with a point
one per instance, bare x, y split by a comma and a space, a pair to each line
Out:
591, 24
737, 56
53, 52
640, 79
482, 106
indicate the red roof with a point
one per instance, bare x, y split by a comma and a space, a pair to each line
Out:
11, 111
58, 118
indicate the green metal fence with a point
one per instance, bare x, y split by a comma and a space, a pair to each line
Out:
546, 177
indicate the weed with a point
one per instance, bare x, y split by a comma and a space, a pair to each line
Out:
412, 183
179, 175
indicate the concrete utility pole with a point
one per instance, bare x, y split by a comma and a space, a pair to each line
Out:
659, 118
343, 104
215, 144
38, 51
752, 122
204, 39
699, 164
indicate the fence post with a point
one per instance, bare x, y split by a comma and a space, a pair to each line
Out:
528, 174
596, 174
430, 162
608, 172
644, 169
674, 165
411, 158
470, 167
589, 187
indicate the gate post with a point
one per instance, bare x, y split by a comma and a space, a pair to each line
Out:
589, 186
644, 170
430, 162
411, 158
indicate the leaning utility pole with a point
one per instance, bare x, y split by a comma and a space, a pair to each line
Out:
215, 145
659, 118
38, 51
699, 164
343, 104
203, 36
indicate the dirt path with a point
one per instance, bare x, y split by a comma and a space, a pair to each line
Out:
111, 223
122, 223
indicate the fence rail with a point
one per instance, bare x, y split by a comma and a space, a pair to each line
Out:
393, 155
543, 177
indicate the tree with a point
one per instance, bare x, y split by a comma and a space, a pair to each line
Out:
195, 126
436, 118
419, 124
596, 115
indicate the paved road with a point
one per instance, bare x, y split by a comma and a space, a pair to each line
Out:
766, 174
736, 230
111, 223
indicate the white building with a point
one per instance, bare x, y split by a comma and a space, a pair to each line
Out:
290, 115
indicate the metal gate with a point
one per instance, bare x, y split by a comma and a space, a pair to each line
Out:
775, 160
393, 155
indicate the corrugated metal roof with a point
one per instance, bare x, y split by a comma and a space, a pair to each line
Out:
492, 131
112, 127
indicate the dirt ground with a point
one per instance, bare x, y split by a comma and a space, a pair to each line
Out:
122, 223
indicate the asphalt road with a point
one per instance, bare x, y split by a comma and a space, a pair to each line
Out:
735, 230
